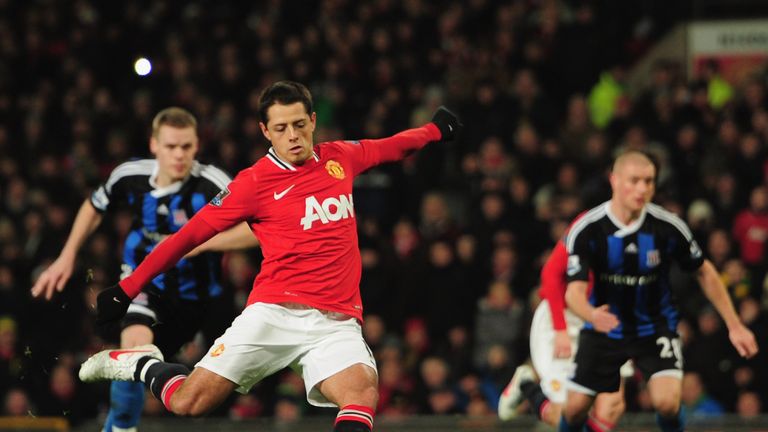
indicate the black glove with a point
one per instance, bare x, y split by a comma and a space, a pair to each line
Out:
447, 122
111, 305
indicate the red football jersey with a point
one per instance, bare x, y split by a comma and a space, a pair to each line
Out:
304, 217
554, 283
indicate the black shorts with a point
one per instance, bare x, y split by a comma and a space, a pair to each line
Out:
175, 321
599, 359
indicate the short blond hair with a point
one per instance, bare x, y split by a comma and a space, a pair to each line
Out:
174, 117
635, 156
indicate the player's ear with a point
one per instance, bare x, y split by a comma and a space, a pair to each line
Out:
265, 131
154, 146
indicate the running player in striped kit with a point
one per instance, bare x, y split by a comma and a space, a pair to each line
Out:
629, 244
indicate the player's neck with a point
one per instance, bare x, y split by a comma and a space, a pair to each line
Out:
164, 180
623, 214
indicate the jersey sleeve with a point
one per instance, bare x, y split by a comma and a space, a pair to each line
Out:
367, 153
579, 254
686, 250
112, 191
233, 204
216, 180
553, 284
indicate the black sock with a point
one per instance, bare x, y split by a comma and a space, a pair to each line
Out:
351, 426
532, 391
156, 374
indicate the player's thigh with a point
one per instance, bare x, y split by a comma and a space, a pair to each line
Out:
262, 340
354, 385
337, 348
140, 322
553, 372
598, 362
135, 335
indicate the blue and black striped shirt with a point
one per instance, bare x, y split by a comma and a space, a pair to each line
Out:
631, 265
160, 211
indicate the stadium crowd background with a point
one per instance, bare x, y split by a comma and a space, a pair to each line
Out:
452, 239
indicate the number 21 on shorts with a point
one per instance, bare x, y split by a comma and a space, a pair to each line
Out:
670, 347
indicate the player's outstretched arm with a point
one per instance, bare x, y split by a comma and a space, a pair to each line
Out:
741, 337
55, 277
112, 303
236, 238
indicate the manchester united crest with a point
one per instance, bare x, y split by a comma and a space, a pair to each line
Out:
217, 351
335, 169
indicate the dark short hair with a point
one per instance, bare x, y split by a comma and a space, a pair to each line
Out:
284, 93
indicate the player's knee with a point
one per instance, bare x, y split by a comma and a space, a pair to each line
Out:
368, 396
668, 406
611, 409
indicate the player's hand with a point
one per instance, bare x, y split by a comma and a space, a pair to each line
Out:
54, 278
743, 340
562, 344
603, 320
111, 305
447, 122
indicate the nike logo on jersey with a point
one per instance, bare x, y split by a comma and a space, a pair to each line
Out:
116, 300
282, 194
116, 354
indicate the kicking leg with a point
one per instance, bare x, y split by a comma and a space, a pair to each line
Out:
181, 392
355, 391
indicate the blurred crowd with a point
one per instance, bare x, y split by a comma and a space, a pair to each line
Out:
452, 239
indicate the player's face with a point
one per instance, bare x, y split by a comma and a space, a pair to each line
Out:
175, 149
289, 128
634, 185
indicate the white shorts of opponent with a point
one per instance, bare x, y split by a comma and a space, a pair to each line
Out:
266, 338
553, 372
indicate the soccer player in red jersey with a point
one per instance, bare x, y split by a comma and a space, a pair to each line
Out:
304, 311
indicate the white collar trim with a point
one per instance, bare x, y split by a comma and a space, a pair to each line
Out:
625, 230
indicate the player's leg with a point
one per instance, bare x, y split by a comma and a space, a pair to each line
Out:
260, 342
339, 370
127, 398
598, 361
575, 411
547, 396
665, 397
660, 358
607, 410
355, 391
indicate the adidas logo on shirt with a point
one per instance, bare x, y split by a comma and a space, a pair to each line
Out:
162, 209
631, 248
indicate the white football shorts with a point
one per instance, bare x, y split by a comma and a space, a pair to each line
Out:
553, 373
266, 338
